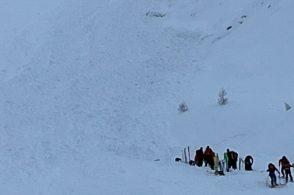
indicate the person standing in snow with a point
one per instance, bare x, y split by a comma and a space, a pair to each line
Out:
282, 167
272, 169
286, 168
208, 157
199, 157
231, 157
248, 163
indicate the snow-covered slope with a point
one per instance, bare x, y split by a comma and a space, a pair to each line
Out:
90, 92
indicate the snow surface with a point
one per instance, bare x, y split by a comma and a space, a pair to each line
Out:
90, 92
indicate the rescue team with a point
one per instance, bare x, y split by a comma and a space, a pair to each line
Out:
209, 158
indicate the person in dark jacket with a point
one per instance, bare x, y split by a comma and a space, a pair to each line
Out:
248, 163
232, 159
286, 168
282, 167
199, 157
272, 169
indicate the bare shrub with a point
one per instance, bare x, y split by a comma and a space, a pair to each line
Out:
222, 100
183, 107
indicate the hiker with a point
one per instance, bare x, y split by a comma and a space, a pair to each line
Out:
199, 157
248, 163
232, 158
282, 167
272, 169
208, 157
286, 168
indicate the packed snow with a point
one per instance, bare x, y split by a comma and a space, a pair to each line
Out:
90, 92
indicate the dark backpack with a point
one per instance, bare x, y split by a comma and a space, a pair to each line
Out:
234, 155
248, 159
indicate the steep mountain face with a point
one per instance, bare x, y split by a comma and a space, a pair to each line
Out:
252, 61
86, 82
82, 76
247, 62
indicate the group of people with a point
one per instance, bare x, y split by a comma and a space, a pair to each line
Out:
209, 157
285, 166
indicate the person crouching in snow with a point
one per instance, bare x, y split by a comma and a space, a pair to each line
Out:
248, 163
272, 169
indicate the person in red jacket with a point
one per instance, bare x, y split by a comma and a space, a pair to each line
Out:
272, 169
208, 157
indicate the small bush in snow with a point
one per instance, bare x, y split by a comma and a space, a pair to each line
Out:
222, 100
287, 106
183, 107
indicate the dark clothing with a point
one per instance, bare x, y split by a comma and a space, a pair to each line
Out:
282, 167
272, 169
232, 159
273, 179
286, 168
288, 174
199, 157
248, 163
